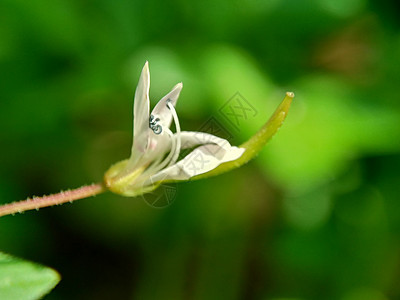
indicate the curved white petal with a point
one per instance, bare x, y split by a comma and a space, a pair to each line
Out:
161, 110
201, 160
190, 139
141, 115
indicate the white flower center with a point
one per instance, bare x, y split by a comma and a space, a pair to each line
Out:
173, 155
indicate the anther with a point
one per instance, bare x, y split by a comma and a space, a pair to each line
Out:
157, 129
168, 103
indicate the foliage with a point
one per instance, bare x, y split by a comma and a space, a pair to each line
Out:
20, 279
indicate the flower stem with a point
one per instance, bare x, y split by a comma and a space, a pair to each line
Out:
254, 145
50, 200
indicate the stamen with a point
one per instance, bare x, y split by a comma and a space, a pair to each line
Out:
178, 132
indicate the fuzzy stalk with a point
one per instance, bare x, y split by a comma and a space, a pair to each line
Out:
50, 200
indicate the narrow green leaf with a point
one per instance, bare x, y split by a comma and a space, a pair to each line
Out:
20, 279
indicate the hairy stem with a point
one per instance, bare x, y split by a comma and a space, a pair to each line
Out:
50, 200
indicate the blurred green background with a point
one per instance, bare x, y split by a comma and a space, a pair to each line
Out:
315, 216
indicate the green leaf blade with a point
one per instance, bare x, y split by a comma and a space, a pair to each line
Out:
23, 280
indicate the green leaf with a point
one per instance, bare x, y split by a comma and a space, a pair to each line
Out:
20, 279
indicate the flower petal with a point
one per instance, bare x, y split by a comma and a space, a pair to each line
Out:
190, 139
161, 110
141, 115
201, 160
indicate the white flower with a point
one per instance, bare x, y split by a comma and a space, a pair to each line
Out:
155, 150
